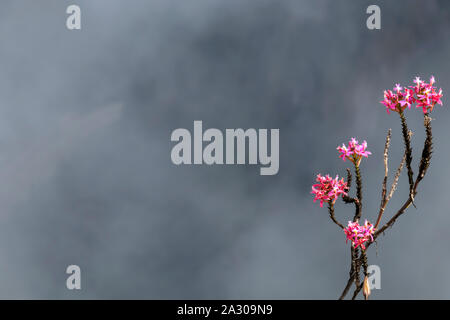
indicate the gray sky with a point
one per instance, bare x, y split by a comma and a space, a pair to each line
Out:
85, 124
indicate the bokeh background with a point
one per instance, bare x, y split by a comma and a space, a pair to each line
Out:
85, 171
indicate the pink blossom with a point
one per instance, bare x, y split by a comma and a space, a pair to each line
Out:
328, 189
418, 82
353, 151
399, 100
426, 95
358, 235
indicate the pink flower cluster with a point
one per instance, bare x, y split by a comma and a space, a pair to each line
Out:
358, 235
354, 151
398, 100
423, 94
426, 95
328, 189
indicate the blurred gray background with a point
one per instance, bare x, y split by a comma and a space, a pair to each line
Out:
85, 171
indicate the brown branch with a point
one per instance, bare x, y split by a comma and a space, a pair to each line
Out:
347, 287
386, 171
348, 199
358, 204
427, 149
331, 211
424, 164
396, 177
351, 276
423, 167
366, 275
356, 277
362, 261
356, 268
408, 152
386, 168
349, 178
357, 290
391, 191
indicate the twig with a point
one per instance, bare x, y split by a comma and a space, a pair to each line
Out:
362, 261
358, 210
349, 178
351, 276
356, 268
396, 177
427, 149
424, 164
348, 199
347, 287
386, 171
391, 191
331, 211
366, 273
408, 152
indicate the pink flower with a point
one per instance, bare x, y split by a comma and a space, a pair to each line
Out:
401, 99
423, 94
328, 189
358, 235
354, 151
426, 95
418, 82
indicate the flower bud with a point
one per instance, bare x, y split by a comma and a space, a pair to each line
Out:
366, 288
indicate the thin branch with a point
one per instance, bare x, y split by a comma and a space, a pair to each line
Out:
349, 178
356, 268
331, 211
427, 149
391, 191
357, 290
366, 273
351, 276
347, 287
363, 262
386, 171
348, 199
386, 168
408, 152
424, 164
358, 210
396, 177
